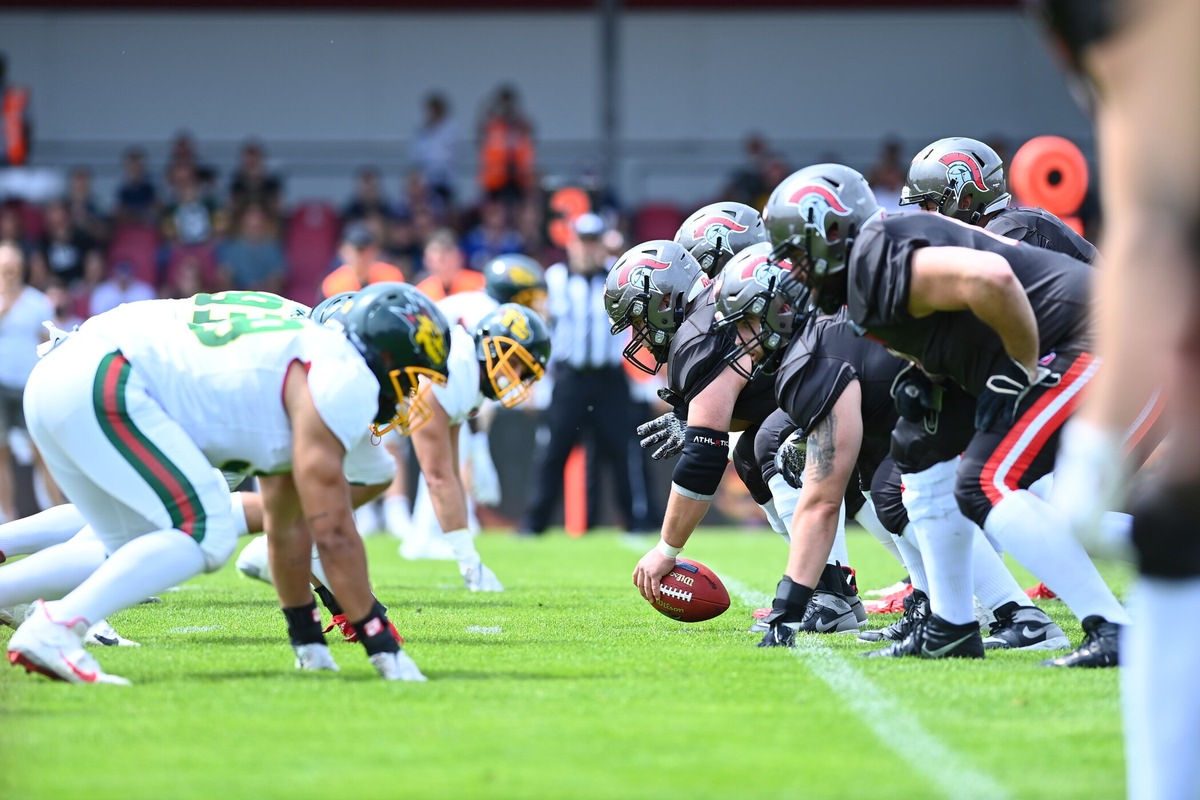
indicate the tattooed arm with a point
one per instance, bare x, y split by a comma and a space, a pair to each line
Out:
833, 445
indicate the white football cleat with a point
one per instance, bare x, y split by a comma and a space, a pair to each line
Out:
397, 666
314, 657
13, 616
103, 634
478, 578
55, 649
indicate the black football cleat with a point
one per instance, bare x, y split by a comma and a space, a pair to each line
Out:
779, 634
1024, 628
936, 638
828, 613
1100, 646
916, 610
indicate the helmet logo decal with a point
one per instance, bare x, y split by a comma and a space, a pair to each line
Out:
717, 229
521, 276
428, 336
515, 321
818, 200
636, 272
761, 270
962, 169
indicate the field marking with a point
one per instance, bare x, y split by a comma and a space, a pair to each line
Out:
195, 629
483, 629
893, 725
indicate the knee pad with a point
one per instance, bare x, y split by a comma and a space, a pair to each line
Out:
930, 493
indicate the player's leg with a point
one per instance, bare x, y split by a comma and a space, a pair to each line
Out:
44, 529
556, 436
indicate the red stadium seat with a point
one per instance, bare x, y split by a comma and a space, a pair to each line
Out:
312, 238
137, 243
32, 222
657, 221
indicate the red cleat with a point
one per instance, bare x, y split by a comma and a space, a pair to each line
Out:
1040, 592
340, 622
891, 604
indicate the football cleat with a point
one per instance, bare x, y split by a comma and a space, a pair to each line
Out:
916, 610
55, 649
349, 634
104, 635
478, 578
1024, 628
935, 638
890, 604
1100, 646
396, 666
13, 616
314, 657
828, 613
898, 586
779, 634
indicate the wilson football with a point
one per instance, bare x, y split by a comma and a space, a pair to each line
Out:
691, 592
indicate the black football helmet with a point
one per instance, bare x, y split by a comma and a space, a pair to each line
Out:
943, 173
514, 278
812, 218
405, 341
716, 232
648, 290
757, 291
329, 307
512, 344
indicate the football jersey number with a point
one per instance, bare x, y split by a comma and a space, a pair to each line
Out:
237, 305
215, 334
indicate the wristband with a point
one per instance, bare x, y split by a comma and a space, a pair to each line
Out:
667, 550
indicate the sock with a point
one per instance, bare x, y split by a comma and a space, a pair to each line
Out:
786, 499
867, 518
304, 624
397, 514
463, 545
837, 551
44, 529
834, 580
775, 522
994, 584
945, 538
143, 566
51, 573
318, 569
1036, 535
1159, 692
910, 554
374, 634
790, 603
328, 600
240, 527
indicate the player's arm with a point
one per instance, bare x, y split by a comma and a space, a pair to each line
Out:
833, 448
962, 279
696, 477
436, 446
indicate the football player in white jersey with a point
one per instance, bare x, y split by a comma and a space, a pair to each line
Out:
135, 409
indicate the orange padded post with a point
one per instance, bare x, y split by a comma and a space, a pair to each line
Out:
575, 492
1051, 172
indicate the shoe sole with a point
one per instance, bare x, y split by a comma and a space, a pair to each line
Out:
1057, 643
19, 659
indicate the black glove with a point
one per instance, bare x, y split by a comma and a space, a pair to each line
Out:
667, 429
789, 461
914, 394
996, 408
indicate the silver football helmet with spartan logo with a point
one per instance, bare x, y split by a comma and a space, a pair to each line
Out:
718, 231
758, 292
648, 290
947, 171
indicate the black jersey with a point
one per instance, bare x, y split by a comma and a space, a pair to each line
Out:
957, 344
821, 363
1040, 228
696, 356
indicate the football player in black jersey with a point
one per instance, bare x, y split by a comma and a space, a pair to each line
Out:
1143, 68
1008, 324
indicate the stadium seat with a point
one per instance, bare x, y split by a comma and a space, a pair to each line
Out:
137, 243
309, 246
657, 221
32, 222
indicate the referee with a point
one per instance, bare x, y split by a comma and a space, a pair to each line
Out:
591, 391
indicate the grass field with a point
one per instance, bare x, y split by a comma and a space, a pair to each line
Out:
567, 685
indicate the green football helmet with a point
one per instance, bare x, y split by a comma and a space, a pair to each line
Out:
514, 278
512, 344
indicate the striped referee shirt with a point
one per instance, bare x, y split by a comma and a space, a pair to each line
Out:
579, 325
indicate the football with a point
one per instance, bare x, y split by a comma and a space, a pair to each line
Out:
691, 592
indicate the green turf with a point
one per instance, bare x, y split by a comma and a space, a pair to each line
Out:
584, 692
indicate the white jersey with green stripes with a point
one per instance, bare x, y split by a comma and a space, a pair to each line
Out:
221, 378
460, 398
467, 308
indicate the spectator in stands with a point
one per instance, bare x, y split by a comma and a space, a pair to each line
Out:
122, 286
447, 268
253, 258
65, 316
188, 275
137, 197
434, 148
11, 229
254, 184
82, 208
66, 255
361, 267
190, 220
417, 198
493, 236
16, 122
22, 310
184, 153
888, 175
748, 182
506, 149
368, 199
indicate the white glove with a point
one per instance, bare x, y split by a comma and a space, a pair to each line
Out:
485, 481
1089, 480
